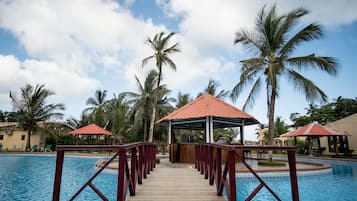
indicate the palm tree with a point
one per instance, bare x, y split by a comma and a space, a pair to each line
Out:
162, 50
96, 107
273, 42
182, 99
142, 101
32, 108
212, 89
116, 111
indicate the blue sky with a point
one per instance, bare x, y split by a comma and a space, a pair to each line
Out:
76, 47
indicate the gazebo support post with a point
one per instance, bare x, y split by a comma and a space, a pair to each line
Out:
169, 140
207, 132
211, 129
241, 134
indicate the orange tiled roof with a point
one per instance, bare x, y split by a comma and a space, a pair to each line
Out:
315, 129
207, 105
91, 129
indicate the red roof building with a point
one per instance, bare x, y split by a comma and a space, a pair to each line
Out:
315, 129
91, 129
206, 113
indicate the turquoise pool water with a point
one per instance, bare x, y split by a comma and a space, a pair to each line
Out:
340, 185
31, 178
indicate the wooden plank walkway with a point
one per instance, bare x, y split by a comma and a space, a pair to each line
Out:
175, 182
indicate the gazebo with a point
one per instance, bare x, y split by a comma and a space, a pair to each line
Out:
90, 130
207, 113
314, 131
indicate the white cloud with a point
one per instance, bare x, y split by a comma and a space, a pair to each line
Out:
71, 42
213, 23
15, 74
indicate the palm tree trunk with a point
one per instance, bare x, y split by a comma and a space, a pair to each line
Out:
145, 124
271, 121
28, 144
152, 120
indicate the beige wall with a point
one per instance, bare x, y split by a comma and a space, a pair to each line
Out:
14, 141
348, 124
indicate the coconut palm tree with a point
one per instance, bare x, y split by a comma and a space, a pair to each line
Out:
273, 42
96, 107
32, 108
142, 101
212, 89
182, 99
162, 50
116, 111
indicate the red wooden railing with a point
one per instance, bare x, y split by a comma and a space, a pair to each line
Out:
141, 163
209, 162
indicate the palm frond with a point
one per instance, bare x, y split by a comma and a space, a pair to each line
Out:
245, 79
311, 91
326, 64
252, 95
145, 60
310, 32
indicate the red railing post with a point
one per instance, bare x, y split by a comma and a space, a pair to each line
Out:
206, 161
141, 163
121, 177
58, 176
210, 165
219, 169
293, 176
198, 157
232, 175
133, 170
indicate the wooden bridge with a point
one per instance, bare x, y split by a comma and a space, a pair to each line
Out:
175, 182
213, 172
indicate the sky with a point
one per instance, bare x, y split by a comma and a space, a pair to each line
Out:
75, 47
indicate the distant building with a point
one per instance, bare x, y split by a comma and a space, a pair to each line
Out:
348, 124
14, 138
261, 136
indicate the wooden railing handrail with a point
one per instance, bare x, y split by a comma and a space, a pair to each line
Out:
142, 162
252, 147
209, 162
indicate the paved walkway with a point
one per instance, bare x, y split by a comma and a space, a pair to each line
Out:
175, 182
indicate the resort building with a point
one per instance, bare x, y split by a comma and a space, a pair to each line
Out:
14, 138
347, 124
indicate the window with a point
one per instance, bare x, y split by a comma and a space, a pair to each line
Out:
1, 137
22, 137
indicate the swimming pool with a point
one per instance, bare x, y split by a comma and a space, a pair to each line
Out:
31, 178
339, 185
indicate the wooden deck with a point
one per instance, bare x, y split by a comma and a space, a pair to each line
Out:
175, 182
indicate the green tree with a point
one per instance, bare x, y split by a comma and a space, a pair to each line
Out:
182, 99
32, 108
96, 107
273, 42
8, 116
142, 101
338, 109
84, 120
212, 88
116, 112
280, 127
162, 50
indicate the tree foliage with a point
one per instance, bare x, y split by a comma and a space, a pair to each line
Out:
272, 43
337, 109
32, 108
162, 51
